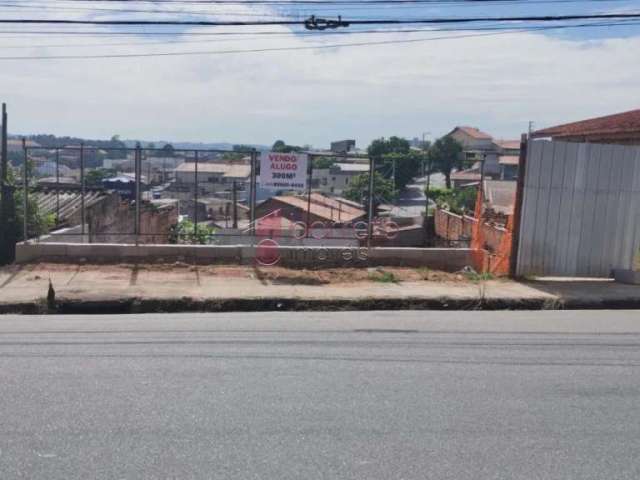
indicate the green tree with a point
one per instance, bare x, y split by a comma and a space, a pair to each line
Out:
38, 223
460, 201
358, 190
115, 142
281, 147
382, 146
323, 162
445, 155
242, 148
184, 232
395, 160
168, 150
95, 177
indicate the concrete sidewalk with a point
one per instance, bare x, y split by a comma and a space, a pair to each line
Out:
129, 288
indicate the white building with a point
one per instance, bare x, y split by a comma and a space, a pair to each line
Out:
337, 178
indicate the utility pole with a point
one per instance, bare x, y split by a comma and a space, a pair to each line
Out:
424, 150
7, 206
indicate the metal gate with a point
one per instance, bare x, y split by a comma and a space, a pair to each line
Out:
581, 209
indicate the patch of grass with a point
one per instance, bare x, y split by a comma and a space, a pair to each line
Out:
383, 277
423, 272
479, 277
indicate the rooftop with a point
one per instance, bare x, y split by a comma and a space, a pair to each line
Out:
224, 169
326, 210
352, 167
473, 132
508, 144
624, 123
472, 175
508, 159
70, 202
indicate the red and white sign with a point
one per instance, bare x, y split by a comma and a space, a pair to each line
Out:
283, 171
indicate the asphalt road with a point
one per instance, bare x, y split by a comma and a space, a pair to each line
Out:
363, 395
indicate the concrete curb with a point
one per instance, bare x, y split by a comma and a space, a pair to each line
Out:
176, 305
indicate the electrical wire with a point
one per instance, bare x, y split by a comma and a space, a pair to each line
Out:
281, 49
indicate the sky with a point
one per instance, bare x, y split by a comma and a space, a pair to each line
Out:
427, 83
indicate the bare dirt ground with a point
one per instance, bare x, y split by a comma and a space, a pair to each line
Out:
270, 274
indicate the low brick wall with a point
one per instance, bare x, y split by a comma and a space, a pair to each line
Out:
454, 227
447, 259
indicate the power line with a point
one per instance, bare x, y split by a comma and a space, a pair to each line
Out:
206, 23
253, 35
306, 47
338, 2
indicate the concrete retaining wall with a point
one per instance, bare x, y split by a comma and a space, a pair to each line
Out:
448, 259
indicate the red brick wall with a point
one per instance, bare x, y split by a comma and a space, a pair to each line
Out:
451, 226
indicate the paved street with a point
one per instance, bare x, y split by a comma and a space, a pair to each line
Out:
353, 395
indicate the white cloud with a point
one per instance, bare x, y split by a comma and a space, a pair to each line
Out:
497, 83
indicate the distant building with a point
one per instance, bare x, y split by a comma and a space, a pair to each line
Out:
212, 177
499, 156
15, 144
337, 178
325, 209
343, 146
620, 128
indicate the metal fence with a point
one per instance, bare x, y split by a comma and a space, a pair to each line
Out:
84, 194
581, 209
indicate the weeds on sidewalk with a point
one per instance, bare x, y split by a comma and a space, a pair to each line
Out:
383, 277
479, 277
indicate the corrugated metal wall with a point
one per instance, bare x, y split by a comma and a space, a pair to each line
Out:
580, 210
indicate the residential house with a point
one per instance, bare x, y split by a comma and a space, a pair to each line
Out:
337, 178
620, 128
212, 177
477, 146
500, 157
330, 211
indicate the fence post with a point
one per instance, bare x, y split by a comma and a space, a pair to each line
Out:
252, 193
25, 199
372, 166
309, 177
517, 208
235, 204
426, 200
57, 186
82, 192
195, 206
138, 179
